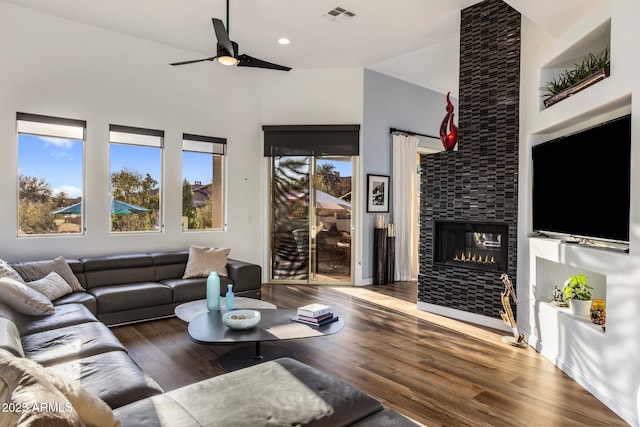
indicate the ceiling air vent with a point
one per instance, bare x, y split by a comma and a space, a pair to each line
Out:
339, 14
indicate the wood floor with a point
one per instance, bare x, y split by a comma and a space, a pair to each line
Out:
436, 370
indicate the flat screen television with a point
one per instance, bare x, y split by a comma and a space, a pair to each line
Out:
581, 183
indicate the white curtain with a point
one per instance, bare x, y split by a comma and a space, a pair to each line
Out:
405, 209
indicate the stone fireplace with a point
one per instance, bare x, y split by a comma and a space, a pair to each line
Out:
469, 197
475, 245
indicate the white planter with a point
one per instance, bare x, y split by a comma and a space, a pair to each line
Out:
580, 307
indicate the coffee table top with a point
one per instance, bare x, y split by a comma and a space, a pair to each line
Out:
275, 324
191, 309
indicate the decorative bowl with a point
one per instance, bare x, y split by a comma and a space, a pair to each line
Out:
241, 319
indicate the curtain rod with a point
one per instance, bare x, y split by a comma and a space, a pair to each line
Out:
394, 130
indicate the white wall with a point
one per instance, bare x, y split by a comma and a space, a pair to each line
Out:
606, 364
389, 102
61, 68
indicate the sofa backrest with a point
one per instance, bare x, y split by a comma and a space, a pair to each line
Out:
118, 269
170, 265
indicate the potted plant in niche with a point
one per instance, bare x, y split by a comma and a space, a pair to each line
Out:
592, 69
577, 292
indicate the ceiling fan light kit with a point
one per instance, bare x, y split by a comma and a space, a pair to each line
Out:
228, 52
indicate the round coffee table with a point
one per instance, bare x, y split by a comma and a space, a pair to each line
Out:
275, 325
189, 310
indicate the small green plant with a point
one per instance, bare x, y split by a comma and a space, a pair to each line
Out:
577, 287
589, 65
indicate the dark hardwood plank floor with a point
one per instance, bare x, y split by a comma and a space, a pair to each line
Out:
436, 370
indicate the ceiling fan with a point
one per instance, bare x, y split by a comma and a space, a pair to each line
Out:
227, 51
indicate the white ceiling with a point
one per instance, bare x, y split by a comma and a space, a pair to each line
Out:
413, 40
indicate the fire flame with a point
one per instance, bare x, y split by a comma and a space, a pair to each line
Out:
475, 258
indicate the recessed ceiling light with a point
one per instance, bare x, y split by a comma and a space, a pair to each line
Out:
284, 41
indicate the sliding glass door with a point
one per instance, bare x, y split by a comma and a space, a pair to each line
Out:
311, 221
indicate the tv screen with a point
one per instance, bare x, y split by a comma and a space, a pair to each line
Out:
581, 182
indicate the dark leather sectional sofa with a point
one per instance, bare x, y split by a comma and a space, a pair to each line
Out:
132, 287
75, 343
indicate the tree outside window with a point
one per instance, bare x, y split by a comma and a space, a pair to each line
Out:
135, 171
50, 175
202, 182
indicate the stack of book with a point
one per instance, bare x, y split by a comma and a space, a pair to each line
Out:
315, 314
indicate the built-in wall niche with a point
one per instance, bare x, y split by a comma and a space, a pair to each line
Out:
550, 274
593, 43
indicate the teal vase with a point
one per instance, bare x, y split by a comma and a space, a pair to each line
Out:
213, 291
229, 297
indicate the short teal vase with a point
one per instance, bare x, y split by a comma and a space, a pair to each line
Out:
229, 298
213, 291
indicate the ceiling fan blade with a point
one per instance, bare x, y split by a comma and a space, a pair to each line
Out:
193, 61
248, 61
223, 36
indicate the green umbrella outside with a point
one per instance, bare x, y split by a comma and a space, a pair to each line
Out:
117, 208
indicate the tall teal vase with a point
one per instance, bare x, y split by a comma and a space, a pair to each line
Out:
213, 291
229, 298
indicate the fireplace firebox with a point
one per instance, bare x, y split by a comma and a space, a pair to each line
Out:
473, 245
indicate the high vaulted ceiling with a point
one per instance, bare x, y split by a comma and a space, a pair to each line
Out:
413, 40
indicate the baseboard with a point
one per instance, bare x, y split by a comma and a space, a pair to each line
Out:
464, 316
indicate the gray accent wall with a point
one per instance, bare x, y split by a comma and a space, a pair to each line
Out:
390, 102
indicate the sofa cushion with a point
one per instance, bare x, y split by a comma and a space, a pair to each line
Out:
82, 297
67, 403
118, 269
65, 315
24, 299
36, 270
52, 286
112, 376
280, 392
169, 265
131, 296
156, 411
193, 289
69, 343
203, 261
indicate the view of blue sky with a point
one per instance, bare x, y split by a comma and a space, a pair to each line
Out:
56, 160
59, 162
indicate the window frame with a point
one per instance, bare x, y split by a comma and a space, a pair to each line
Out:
138, 137
217, 147
51, 127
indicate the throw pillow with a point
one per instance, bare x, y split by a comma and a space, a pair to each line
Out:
30, 400
23, 299
90, 410
7, 271
52, 286
203, 261
36, 270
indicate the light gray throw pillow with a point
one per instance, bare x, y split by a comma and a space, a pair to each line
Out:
36, 270
52, 286
7, 271
23, 299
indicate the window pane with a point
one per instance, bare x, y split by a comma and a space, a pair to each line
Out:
135, 187
50, 179
202, 186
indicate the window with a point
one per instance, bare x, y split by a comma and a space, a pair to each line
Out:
50, 175
203, 182
136, 170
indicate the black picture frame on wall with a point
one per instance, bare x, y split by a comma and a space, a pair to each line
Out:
378, 193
